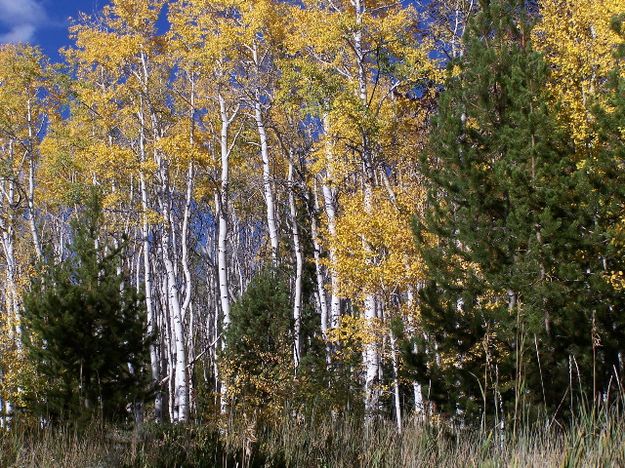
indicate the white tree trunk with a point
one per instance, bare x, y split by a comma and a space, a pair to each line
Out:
396, 396
31, 210
221, 201
221, 204
371, 352
31, 188
416, 386
321, 291
181, 389
264, 151
12, 298
185, 241
147, 275
371, 362
299, 266
181, 385
330, 209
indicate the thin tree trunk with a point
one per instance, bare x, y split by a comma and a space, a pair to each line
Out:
264, 151
330, 209
396, 396
321, 291
181, 386
416, 386
147, 275
371, 353
30, 205
185, 241
299, 266
221, 203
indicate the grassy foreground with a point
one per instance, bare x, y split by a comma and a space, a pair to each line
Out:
322, 443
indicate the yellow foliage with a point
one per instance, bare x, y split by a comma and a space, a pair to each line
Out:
266, 389
376, 252
19, 377
356, 331
617, 280
578, 42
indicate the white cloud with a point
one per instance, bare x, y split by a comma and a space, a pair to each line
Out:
21, 18
18, 33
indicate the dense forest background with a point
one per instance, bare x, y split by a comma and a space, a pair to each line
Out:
381, 209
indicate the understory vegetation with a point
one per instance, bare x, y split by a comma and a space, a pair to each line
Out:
323, 441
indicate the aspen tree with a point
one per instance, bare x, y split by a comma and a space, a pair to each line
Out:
209, 31
356, 42
26, 85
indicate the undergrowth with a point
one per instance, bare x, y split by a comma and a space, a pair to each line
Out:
324, 441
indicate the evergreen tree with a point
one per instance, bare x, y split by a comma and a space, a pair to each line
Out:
258, 358
85, 331
259, 343
517, 296
607, 195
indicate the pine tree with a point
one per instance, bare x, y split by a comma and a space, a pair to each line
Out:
85, 331
257, 362
605, 171
517, 294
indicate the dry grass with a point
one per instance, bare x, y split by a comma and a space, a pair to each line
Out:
323, 442
345, 444
62, 448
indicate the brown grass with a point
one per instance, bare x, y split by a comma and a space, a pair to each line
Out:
323, 442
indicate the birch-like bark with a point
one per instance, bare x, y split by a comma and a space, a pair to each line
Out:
329, 197
185, 242
181, 389
264, 151
299, 266
181, 384
147, 273
31, 188
188, 284
187, 210
371, 352
416, 386
222, 261
10, 293
221, 203
11, 296
396, 396
167, 327
8, 244
321, 291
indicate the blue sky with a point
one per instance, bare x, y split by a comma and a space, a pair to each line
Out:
45, 22
42, 22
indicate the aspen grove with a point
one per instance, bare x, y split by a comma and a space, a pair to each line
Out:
383, 208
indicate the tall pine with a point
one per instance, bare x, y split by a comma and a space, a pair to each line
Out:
85, 331
516, 305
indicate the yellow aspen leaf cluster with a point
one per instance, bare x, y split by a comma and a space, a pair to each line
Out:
578, 42
387, 262
353, 333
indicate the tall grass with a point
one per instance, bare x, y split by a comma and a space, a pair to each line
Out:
27, 446
345, 443
592, 439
